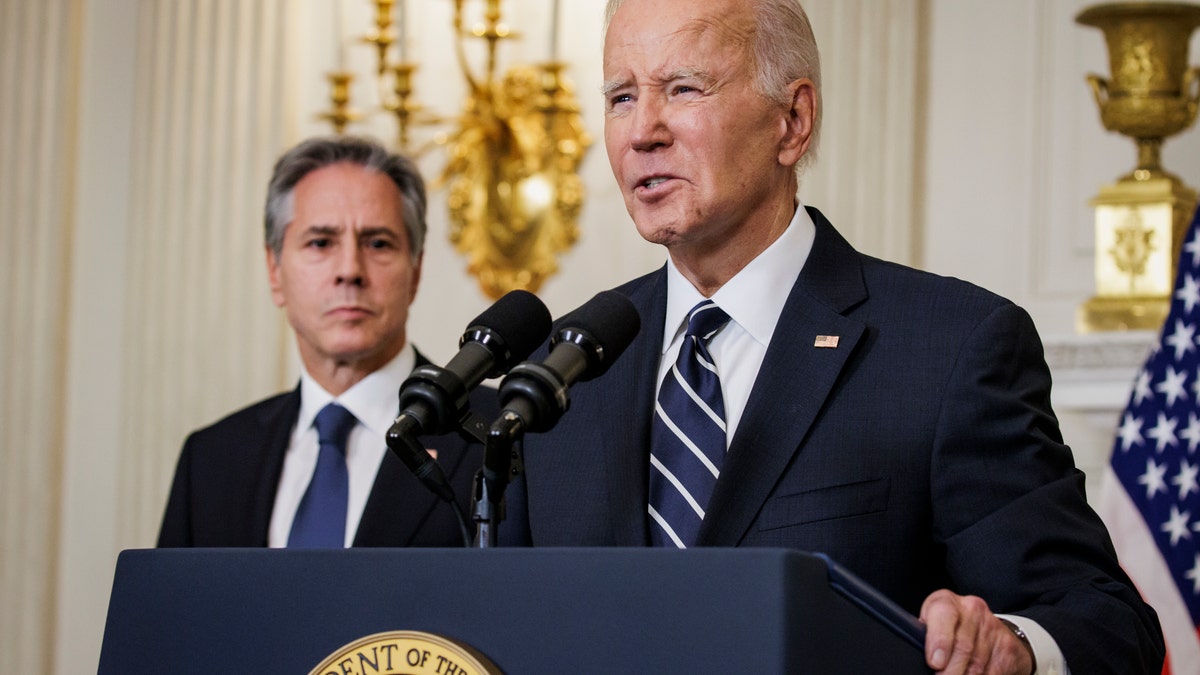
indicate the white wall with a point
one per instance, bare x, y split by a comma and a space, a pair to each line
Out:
1015, 149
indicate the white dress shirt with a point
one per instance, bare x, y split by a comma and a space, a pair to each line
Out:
375, 403
754, 299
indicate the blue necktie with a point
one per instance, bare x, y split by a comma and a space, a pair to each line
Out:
687, 443
320, 520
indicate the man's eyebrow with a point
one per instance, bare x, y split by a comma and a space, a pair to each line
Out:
610, 86
322, 229
367, 231
376, 230
688, 74
680, 74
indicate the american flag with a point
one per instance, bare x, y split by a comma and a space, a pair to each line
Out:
1150, 496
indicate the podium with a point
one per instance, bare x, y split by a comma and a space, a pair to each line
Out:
529, 611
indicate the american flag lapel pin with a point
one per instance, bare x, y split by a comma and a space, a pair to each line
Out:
826, 341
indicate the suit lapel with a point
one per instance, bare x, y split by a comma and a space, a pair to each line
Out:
275, 424
630, 459
793, 383
399, 505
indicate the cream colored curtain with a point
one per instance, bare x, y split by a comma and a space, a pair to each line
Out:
866, 176
38, 52
202, 334
162, 264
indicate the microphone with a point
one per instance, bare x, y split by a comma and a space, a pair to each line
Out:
533, 396
435, 400
587, 343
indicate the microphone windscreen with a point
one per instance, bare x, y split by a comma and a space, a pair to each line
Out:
611, 321
520, 320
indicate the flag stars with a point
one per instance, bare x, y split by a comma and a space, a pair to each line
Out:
1163, 432
1141, 389
1192, 433
1156, 449
1194, 575
1172, 384
1177, 525
1189, 294
1131, 432
1153, 479
1185, 480
1183, 339
1193, 247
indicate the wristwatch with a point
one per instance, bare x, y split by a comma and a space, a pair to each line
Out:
1016, 630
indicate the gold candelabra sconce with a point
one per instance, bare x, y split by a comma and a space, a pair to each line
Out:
513, 152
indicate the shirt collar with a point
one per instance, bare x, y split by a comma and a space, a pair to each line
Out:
373, 400
755, 296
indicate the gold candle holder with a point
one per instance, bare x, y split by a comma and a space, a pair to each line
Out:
513, 152
340, 113
382, 36
402, 104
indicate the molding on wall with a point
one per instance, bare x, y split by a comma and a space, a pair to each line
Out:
1096, 371
1093, 378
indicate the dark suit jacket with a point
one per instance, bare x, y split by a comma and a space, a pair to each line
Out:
921, 452
225, 482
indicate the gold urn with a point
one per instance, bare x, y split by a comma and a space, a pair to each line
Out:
1142, 218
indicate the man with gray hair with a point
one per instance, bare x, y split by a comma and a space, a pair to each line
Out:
345, 227
788, 391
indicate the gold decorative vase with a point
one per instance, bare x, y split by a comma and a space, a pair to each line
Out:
1142, 218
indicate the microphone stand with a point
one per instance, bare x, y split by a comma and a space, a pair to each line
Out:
501, 461
471, 427
396, 439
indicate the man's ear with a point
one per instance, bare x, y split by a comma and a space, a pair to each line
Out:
273, 277
800, 121
416, 281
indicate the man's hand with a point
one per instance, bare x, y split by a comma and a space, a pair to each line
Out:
963, 636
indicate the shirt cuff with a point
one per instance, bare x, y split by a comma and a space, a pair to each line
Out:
1049, 657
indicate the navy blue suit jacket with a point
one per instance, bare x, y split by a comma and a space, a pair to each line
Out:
228, 473
921, 453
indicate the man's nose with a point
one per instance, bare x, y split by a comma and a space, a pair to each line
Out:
650, 128
350, 263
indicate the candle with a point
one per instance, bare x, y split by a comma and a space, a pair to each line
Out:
554, 31
339, 40
402, 30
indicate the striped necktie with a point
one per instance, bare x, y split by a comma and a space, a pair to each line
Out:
320, 520
687, 444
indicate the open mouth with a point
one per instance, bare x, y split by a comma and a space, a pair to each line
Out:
652, 183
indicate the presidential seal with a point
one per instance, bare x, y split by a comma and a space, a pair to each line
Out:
406, 652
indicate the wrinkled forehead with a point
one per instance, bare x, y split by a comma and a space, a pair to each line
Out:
676, 34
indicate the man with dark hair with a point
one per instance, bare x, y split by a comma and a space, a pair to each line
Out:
345, 227
788, 391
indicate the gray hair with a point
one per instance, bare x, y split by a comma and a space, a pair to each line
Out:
318, 153
785, 50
